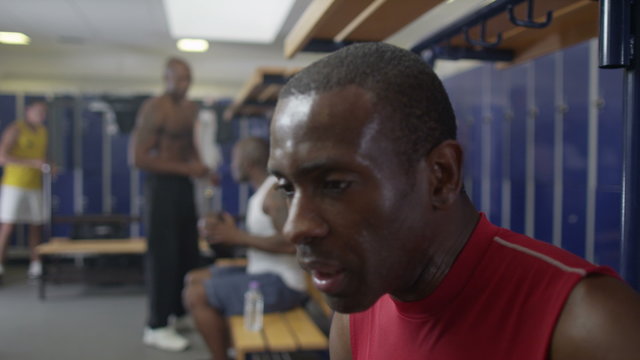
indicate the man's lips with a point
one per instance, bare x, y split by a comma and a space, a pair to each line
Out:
327, 277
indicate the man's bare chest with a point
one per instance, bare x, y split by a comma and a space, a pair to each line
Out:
177, 123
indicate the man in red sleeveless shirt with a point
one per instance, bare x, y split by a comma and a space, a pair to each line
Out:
363, 146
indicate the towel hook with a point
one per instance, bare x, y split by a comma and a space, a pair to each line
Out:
482, 42
529, 21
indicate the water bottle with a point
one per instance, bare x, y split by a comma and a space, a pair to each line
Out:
253, 307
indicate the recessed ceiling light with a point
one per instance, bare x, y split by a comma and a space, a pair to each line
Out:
193, 45
14, 38
253, 21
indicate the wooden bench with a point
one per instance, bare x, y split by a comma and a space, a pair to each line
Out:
59, 247
288, 331
64, 247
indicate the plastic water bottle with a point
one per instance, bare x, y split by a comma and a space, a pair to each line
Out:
253, 307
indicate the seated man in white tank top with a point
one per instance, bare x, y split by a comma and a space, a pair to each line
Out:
215, 292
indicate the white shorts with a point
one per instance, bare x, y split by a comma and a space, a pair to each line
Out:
19, 205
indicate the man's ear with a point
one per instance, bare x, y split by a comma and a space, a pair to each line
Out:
445, 173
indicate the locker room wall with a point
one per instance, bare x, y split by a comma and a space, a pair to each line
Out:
83, 139
543, 148
542, 140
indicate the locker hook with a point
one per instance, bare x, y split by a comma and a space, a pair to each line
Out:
482, 42
529, 21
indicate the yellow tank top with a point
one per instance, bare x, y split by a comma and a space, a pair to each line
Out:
30, 144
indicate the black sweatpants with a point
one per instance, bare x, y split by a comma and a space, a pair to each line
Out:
172, 238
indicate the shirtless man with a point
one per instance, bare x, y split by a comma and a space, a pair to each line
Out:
162, 145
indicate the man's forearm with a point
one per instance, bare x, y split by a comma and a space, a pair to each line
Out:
33, 163
274, 244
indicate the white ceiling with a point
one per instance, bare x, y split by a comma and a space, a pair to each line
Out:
121, 46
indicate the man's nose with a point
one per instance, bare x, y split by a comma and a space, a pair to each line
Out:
304, 222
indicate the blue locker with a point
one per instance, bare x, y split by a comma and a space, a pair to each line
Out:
141, 185
62, 187
120, 174
92, 159
228, 185
510, 93
544, 94
576, 93
497, 109
609, 190
517, 151
8, 111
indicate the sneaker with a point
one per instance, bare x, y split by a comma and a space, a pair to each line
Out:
165, 338
35, 270
180, 323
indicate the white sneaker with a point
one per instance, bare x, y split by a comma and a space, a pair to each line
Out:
165, 338
35, 270
180, 323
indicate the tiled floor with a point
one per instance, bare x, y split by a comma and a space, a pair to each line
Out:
80, 322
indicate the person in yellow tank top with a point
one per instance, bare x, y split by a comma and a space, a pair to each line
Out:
23, 153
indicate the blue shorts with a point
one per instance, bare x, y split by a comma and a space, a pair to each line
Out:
225, 290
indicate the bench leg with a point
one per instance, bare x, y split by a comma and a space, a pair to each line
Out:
43, 279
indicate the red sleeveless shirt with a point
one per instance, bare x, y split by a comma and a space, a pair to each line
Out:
500, 300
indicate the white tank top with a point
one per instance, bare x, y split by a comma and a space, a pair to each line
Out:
258, 261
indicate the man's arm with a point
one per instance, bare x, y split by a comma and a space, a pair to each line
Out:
339, 339
225, 231
600, 320
145, 140
275, 206
8, 141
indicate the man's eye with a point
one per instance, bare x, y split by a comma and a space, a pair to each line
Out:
336, 186
285, 189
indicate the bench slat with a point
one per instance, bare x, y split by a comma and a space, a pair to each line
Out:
243, 340
103, 246
308, 335
277, 333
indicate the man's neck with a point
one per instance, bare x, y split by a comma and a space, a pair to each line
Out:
444, 252
31, 124
176, 99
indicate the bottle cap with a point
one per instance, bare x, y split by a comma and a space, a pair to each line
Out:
254, 284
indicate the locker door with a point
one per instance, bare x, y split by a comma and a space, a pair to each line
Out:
62, 147
576, 85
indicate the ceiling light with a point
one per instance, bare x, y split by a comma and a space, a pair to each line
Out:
14, 38
193, 45
253, 21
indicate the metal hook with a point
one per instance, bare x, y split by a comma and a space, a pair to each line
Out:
482, 42
529, 21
